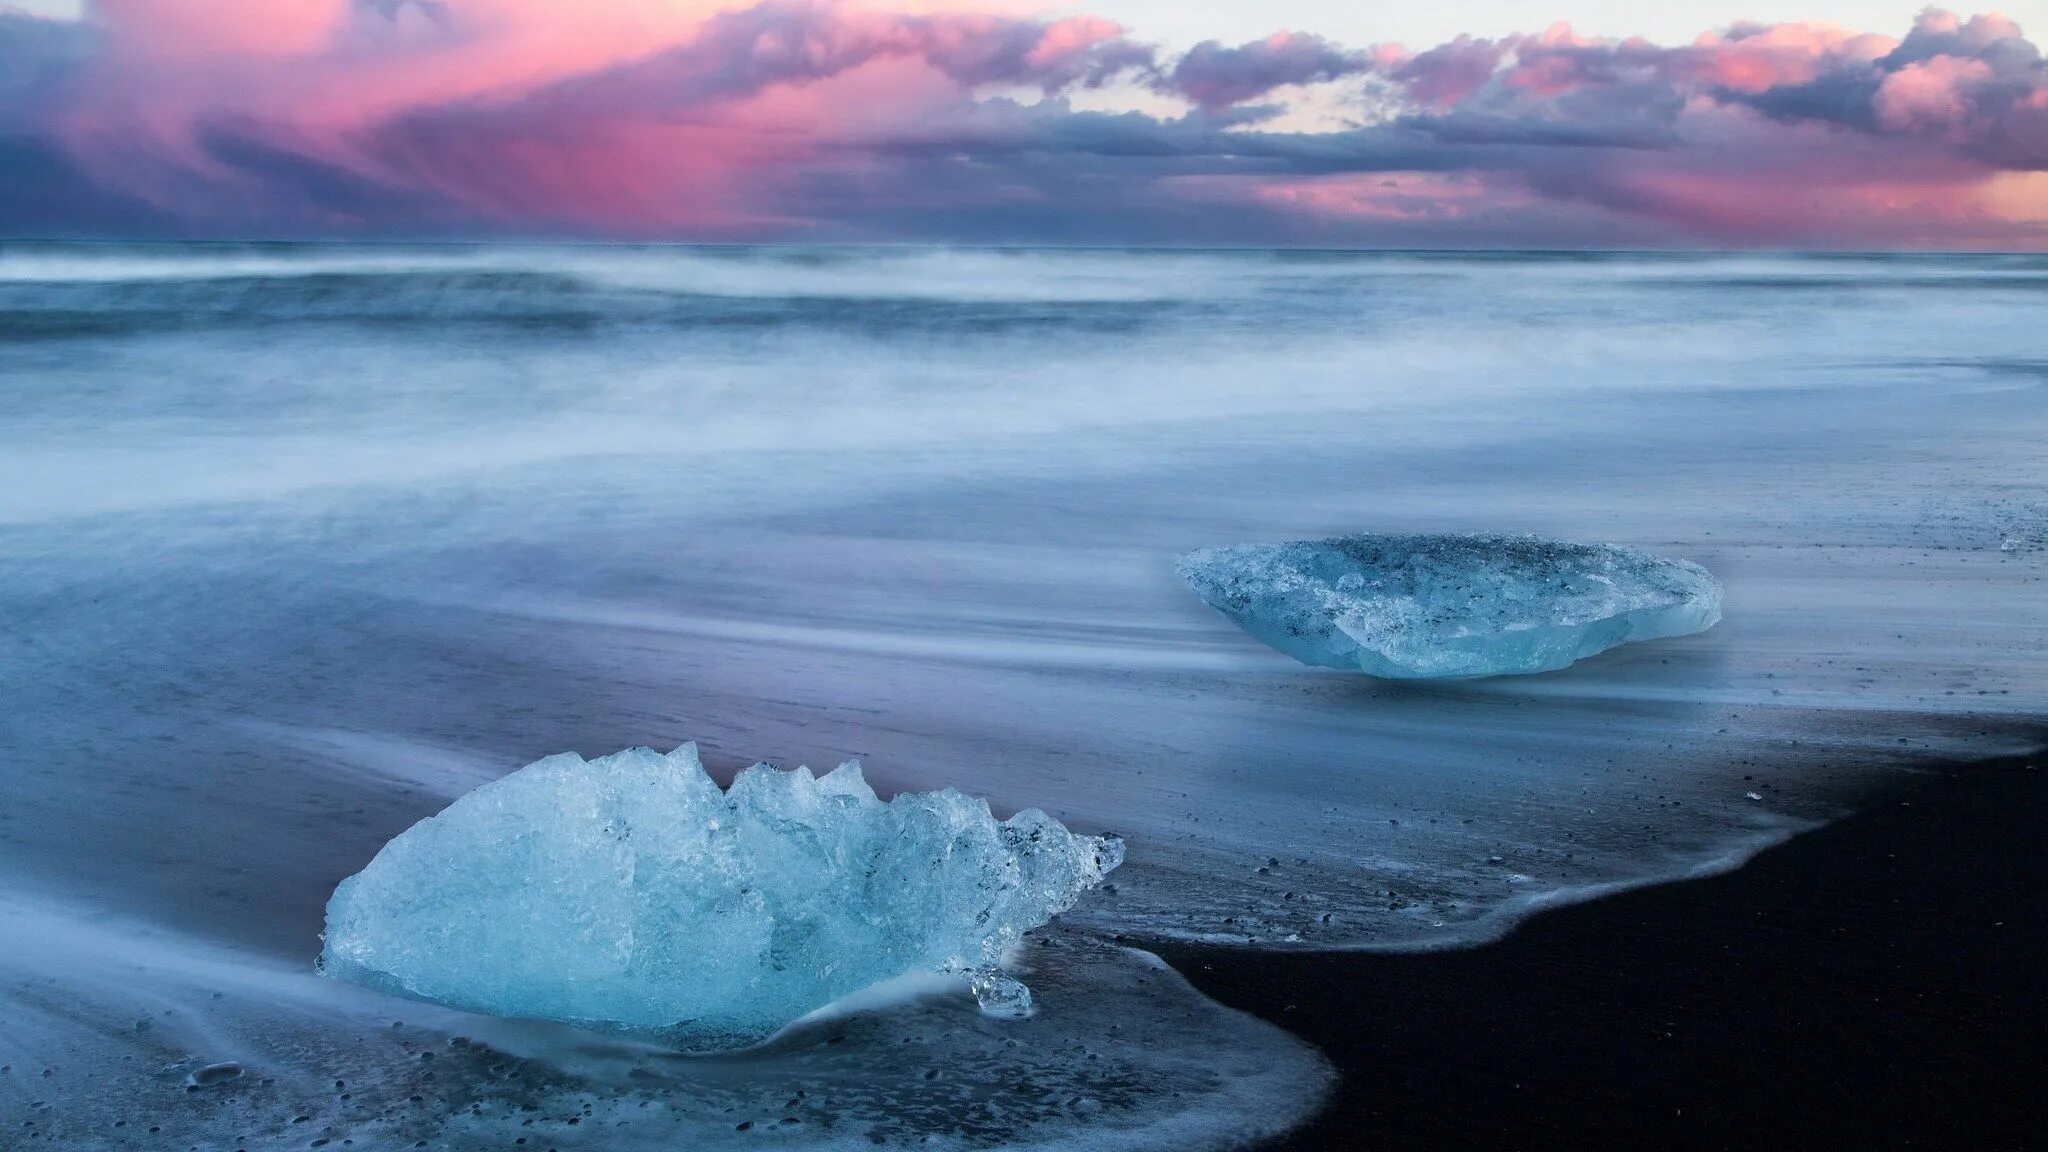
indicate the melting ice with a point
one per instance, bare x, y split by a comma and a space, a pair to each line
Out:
630, 894
1439, 607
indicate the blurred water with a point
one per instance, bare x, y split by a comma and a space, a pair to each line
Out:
302, 542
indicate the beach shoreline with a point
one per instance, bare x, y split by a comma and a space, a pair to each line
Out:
1871, 983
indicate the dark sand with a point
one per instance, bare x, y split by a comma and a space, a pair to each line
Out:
1876, 983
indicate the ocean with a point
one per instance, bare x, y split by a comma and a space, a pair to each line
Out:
303, 541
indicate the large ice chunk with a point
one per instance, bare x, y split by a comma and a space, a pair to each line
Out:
1429, 607
630, 894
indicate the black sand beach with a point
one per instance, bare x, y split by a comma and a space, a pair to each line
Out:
1874, 984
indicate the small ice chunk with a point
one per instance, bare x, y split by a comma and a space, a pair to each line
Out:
1001, 995
1433, 607
631, 895
213, 1074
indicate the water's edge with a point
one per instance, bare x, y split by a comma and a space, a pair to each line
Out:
1835, 987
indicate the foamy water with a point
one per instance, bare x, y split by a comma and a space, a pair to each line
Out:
304, 542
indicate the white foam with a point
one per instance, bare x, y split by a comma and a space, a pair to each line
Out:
1123, 1056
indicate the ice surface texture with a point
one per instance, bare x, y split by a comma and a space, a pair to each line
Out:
1436, 607
630, 894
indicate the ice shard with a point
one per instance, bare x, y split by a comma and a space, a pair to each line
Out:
1449, 606
630, 894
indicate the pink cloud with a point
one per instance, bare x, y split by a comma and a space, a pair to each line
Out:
199, 28
1930, 94
1753, 58
1449, 73
824, 117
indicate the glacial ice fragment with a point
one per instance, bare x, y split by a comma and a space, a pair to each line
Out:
1436, 607
631, 895
213, 1074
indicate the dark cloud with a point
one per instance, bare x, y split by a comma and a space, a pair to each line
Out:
303, 186
1211, 75
741, 53
43, 193
36, 57
1482, 129
1844, 98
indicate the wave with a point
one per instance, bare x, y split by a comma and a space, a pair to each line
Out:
137, 1036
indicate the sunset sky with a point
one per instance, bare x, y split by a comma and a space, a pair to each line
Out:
1500, 123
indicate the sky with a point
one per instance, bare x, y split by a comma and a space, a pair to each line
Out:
1186, 22
1501, 123
1667, 21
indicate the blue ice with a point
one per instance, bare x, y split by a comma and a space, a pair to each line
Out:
1441, 607
630, 894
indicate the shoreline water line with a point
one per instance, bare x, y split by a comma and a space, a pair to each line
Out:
1823, 992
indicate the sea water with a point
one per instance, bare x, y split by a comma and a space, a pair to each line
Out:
303, 542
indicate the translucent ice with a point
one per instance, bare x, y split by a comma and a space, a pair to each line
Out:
1429, 607
631, 895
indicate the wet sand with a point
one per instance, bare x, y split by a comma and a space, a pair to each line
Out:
1875, 983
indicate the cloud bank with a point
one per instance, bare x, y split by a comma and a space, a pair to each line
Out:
836, 120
